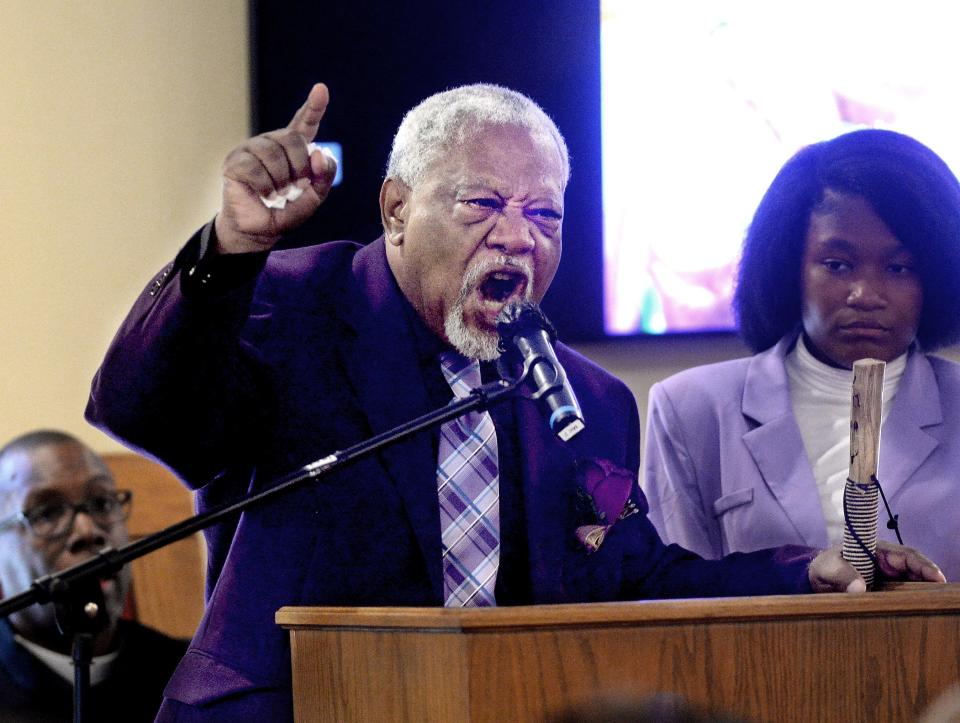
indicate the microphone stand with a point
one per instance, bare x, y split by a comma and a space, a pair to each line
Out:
76, 590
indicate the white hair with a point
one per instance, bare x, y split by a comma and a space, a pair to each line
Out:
450, 118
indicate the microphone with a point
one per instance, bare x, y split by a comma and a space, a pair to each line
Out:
526, 339
860, 495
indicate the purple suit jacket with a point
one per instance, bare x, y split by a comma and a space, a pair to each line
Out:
314, 355
725, 469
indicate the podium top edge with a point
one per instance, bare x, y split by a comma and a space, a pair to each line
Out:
911, 598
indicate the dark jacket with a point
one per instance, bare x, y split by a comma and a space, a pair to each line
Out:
30, 692
237, 387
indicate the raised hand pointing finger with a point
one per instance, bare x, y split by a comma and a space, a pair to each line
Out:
265, 175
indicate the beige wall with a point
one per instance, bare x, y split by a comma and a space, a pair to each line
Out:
641, 362
114, 118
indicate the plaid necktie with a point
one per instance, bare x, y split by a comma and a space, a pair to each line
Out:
468, 484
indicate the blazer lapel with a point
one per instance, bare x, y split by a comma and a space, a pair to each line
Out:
380, 360
546, 469
776, 445
904, 445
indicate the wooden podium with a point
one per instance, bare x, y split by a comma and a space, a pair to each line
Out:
881, 656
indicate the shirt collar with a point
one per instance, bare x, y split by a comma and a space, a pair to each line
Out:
100, 668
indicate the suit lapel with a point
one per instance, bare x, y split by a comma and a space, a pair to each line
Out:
776, 445
904, 445
546, 469
382, 364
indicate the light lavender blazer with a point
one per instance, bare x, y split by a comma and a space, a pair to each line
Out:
725, 469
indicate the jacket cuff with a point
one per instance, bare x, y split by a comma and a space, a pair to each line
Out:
207, 274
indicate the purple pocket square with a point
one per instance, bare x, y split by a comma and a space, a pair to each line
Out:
608, 488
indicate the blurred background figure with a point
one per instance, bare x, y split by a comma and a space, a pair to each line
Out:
853, 252
945, 709
59, 506
657, 708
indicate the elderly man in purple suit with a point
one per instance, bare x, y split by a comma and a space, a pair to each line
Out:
239, 364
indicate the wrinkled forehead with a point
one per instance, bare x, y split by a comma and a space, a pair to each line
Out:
501, 150
66, 469
516, 137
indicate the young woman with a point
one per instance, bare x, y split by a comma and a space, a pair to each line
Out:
854, 252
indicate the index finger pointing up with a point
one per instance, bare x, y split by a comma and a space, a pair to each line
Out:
307, 119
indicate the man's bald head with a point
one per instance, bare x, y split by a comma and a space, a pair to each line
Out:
45, 476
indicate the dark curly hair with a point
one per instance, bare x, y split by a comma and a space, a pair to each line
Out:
909, 187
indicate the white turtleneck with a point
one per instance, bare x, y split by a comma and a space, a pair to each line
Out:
820, 395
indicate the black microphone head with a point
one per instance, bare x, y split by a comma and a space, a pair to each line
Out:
526, 352
521, 317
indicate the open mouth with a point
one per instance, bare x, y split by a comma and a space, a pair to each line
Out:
501, 286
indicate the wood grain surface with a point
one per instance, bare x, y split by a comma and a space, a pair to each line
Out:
881, 656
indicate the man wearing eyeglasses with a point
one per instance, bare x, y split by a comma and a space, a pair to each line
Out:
59, 506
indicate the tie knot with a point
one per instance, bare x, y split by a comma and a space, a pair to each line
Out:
462, 374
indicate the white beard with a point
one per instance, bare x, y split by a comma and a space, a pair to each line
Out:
471, 342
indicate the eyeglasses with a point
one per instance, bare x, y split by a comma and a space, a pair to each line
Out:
56, 519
